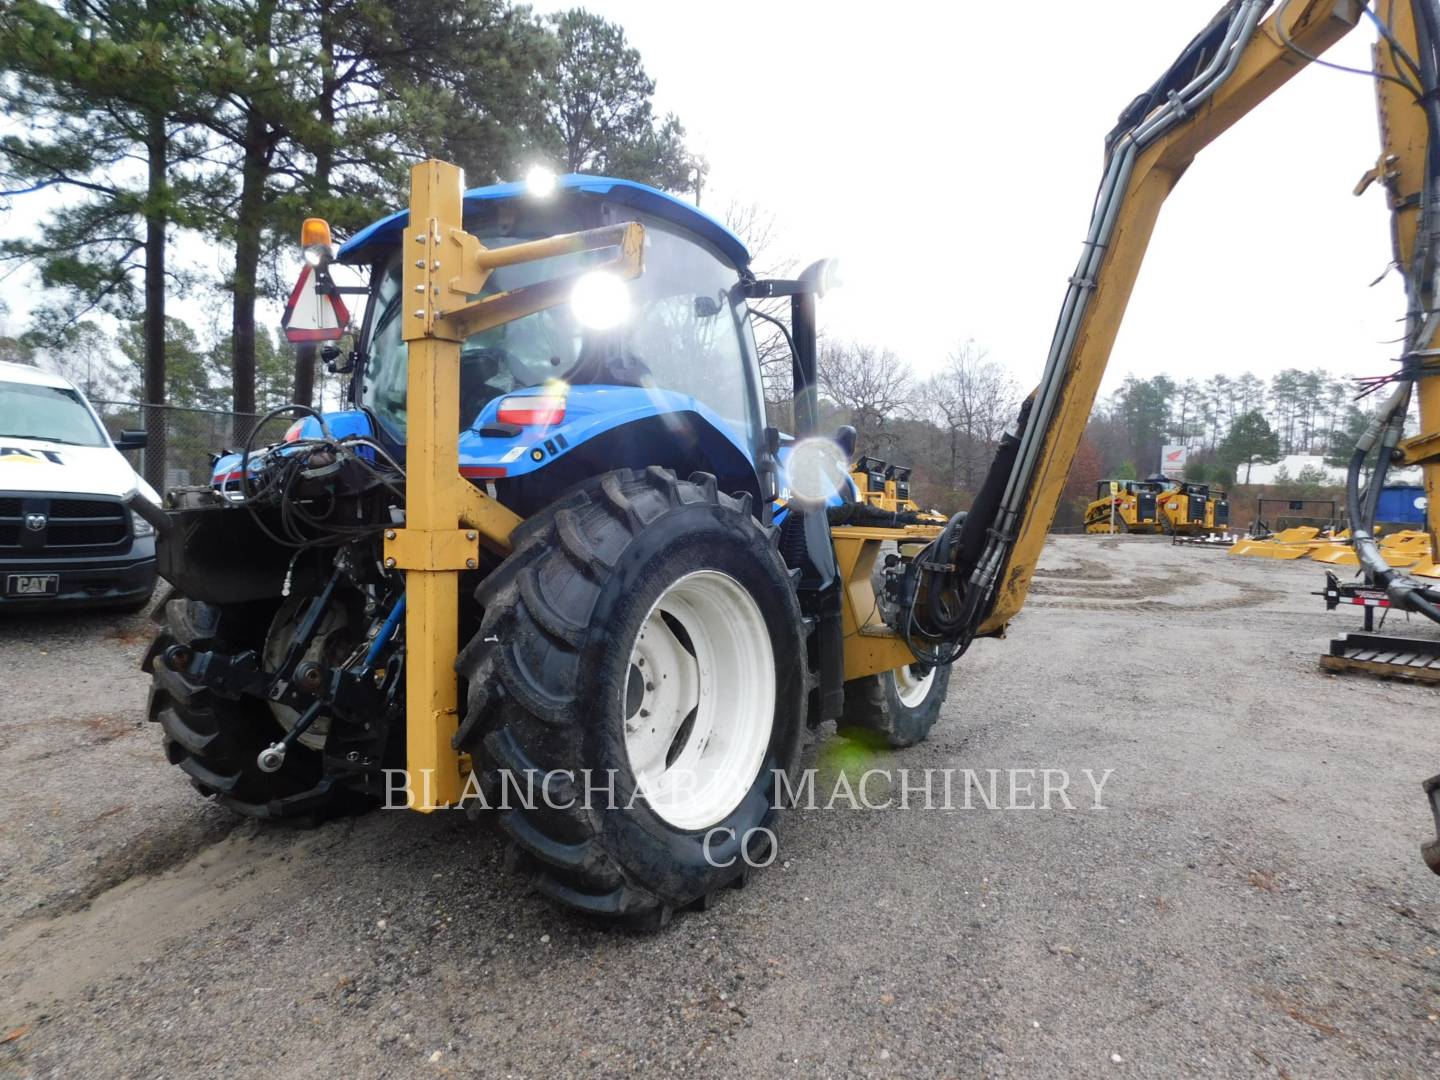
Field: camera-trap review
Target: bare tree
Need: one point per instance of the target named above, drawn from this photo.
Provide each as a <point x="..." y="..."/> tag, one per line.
<point x="971" y="399"/>
<point x="869" y="383"/>
<point x="758" y="228"/>
<point x="87" y="356"/>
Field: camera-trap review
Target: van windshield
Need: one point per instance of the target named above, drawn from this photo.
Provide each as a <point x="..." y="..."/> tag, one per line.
<point x="52" y="413"/>
<point x="688" y="331"/>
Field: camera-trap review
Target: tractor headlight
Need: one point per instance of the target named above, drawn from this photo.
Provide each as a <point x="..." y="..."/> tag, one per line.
<point x="600" y="300"/>
<point x="540" y="182"/>
<point x="139" y="527"/>
<point x="817" y="470"/>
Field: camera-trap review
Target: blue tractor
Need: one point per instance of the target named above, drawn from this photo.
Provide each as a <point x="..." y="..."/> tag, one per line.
<point x="651" y="640"/>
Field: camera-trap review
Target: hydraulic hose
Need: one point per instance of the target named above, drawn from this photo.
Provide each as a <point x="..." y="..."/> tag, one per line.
<point x="1124" y="152"/>
<point x="1384" y="432"/>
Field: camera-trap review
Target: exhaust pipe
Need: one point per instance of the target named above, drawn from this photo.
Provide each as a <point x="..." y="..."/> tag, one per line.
<point x="151" y="513"/>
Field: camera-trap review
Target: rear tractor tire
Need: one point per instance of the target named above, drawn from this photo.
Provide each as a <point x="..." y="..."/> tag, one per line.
<point x="641" y="662"/>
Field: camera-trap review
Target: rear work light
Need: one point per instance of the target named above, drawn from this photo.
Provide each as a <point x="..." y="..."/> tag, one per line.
<point x="540" y="410"/>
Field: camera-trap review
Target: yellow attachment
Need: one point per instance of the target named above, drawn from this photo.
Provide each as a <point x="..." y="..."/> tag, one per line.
<point x="1404" y="153"/>
<point x="1265" y="65"/>
<point x="1405" y="538"/>
<point x="458" y="266"/>
<point x="1269" y="549"/>
<point x="438" y="549"/>
<point x="1299" y="534"/>
<point x="1426" y="567"/>
<point x="870" y="646"/>
<point x="314" y="231"/>
<point x="446" y="518"/>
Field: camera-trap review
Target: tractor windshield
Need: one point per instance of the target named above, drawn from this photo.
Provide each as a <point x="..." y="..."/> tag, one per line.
<point x="687" y="331"/>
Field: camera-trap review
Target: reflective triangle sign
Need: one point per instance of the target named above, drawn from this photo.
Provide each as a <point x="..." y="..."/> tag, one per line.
<point x="311" y="315"/>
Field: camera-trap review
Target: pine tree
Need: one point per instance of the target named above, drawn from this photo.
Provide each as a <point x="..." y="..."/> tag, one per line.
<point x="600" y="115"/>
<point x="1251" y="441"/>
<point x="96" y="85"/>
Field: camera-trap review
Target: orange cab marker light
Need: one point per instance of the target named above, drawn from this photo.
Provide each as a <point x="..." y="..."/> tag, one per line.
<point x="314" y="231"/>
<point x="531" y="411"/>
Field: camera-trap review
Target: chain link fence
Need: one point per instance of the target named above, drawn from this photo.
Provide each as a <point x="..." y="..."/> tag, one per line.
<point x="182" y="442"/>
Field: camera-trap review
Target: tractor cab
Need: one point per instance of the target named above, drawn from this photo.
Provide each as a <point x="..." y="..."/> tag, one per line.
<point x="550" y="528"/>
<point x="661" y="369"/>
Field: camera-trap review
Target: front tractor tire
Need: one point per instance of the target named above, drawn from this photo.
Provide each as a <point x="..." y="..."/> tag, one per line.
<point x="900" y="706"/>
<point x="215" y="740"/>
<point x="641" y="663"/>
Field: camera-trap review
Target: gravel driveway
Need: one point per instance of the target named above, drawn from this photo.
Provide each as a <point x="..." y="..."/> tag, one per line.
<point x="1250" y="901"/>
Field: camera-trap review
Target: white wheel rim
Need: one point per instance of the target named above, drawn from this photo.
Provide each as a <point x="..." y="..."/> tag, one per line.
<point x="698" y="719"/>
<point x="911" y="687"/>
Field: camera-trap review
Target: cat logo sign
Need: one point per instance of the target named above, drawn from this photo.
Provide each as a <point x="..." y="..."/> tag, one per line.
<point x="315" y="311"/>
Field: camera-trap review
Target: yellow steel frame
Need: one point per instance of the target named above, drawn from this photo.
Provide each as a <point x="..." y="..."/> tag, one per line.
<point x="447" y="518"/>
<point x="1266" y="64"/>
<point x="870" y="646"/>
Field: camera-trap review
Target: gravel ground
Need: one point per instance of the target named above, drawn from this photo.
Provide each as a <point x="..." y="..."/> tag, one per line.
<point x="1250" y="901"/>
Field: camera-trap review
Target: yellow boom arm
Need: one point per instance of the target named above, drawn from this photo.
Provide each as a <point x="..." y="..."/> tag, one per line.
<point x="1239" y="62"/>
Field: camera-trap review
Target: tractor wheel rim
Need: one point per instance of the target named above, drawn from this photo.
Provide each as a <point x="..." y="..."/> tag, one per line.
<point x="913" y="686"/>
<point x="699" y="700"/>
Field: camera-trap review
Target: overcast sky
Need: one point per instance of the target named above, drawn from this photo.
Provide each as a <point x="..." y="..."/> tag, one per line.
<point x="949" y="155"/>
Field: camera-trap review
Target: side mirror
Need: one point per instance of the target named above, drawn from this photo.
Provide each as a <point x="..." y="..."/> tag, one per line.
<point x="845" y="439"/>
<point x="132" y="440"/>
<point x="822" y="276"/>
<point x="330" y="353"/>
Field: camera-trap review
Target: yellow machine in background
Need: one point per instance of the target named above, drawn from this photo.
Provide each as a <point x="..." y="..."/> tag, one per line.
<point x="1157" y="505"/>
<point x="1217" y="512"/>
<point x="880" y="484"/>
<point x="1124" y="506"/>
<point x="1188" y="509"/>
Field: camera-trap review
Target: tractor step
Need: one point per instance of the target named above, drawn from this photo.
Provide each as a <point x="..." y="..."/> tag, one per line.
<point x="1385" y="655"/>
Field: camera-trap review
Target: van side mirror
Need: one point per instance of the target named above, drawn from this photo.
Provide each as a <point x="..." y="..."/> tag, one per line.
<point x="132" y="440"/>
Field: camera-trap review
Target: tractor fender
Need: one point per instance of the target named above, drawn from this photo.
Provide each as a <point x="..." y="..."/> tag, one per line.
<point x="684" y="442"/>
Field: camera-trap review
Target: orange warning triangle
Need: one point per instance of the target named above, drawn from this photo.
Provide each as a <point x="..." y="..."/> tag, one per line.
<point x="311" y="315"/>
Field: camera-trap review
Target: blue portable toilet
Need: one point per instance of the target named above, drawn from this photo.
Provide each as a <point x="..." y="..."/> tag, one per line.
<point x="1401" y="504"/>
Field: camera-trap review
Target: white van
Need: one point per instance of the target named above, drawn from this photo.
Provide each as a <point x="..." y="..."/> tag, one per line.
<point x="66" y="534"/>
